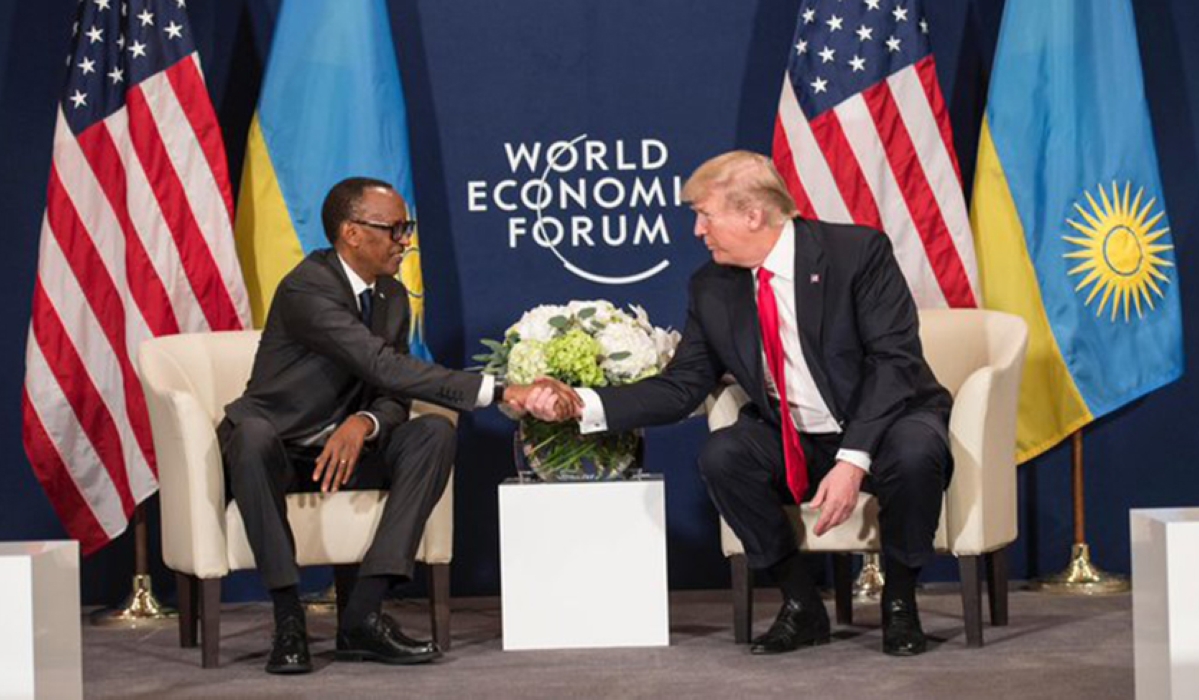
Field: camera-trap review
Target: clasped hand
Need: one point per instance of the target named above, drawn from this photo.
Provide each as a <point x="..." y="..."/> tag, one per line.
<point x="545" y="399"/>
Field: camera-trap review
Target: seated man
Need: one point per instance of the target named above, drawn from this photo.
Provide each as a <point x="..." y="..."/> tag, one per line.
<point x="818" y="326"/>
<point x="327" y="405"/>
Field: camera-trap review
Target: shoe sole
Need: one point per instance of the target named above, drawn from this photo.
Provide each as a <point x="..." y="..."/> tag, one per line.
<point x="289" y="670"/>
<point x="821" y="641"/>
<point x="905" y="652"/>
<point x="351" y="655"/>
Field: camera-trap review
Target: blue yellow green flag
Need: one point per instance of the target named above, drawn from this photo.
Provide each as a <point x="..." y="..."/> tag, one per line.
<point x="1069" y="220"/>
<point x="332" y="106"/>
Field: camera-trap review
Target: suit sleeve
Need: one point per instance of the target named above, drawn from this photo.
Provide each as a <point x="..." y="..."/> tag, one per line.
<point x="326" y="326"/>
<point x="888" y="326"/>
<point x="675" y="393"/>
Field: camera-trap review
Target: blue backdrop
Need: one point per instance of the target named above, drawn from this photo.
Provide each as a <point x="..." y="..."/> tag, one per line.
<point x="643" y="92"/>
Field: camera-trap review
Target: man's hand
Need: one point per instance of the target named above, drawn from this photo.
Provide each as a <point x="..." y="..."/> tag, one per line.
<point x="337" y="461"/>
<point x="837" y="496"/>
<point x="546" y="399"/>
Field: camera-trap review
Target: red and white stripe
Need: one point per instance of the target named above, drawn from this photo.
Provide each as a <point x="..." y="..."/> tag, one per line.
<point x="884" y="158"/>
<point x="137" y="242"/>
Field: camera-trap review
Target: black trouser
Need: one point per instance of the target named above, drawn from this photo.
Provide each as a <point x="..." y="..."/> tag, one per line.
<point x="744" y="470"/>
<point x="412" y="463"/>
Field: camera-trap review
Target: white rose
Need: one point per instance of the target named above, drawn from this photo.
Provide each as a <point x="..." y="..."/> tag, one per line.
<point x="665" y="342"/>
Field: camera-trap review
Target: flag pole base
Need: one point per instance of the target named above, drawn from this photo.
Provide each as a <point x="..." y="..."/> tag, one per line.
<point x="141" y="608"/>
<point x="323" y="602"/>
<point x="1081" y="577"/>
<point x="870" y="581"/>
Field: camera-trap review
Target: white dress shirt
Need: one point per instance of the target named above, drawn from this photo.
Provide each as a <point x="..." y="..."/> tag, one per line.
<point x="808" y="409"/>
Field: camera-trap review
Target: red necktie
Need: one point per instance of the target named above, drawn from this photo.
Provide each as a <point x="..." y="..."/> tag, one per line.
<point x="793" y="457"/>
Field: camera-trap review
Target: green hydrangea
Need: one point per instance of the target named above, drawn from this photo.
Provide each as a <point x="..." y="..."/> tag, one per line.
<point x="574" y="357"/>
<point x="527" y="361"/>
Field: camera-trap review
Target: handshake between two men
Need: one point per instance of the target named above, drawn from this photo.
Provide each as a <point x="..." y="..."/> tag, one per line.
<point x="545" y="399"/>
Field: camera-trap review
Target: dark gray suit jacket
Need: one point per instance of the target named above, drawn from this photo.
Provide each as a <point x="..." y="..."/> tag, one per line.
<point x="318" y="363"/>
<point x="858" y="328"/>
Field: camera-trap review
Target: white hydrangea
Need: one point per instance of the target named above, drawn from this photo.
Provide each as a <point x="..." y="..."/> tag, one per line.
<point x="526" y="362"/>
<point x="605" y="313"/>
<point x="535" y="323"/>
<point x="627" y="338"/>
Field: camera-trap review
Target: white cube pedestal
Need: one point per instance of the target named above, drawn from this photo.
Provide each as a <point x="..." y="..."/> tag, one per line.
<point x="584" y="564"/>
<point x="40" y="636"/>
<point x="1165" y="607"/>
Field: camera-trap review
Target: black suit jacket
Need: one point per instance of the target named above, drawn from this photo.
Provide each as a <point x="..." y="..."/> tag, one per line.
<point x="858" y="328"/>
<point x="317" y="362"/>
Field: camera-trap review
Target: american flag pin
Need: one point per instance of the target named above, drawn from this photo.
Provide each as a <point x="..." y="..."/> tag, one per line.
<point x="814" y="279"/>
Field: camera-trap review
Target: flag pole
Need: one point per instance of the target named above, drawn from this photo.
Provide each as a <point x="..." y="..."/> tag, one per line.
<point x="141" y="607"/>
<point x="1080" y="576"/>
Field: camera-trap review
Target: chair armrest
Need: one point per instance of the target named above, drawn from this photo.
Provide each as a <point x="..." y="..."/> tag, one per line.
<point x="191" y="484"/>
<point x="724" y="405"/>
<point x="981" y="509"/>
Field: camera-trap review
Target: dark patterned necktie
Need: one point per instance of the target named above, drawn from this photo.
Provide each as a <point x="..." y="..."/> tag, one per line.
<point x="366" y="304"/>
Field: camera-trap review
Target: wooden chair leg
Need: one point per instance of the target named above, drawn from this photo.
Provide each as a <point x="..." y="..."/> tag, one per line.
<point x="439" y="603"/>
<point x="970" y="567"/>
<point x="997" y="588"/>
<point x="210" y="622"/>
<point x="344" y="577"/>
<point x="843" y="587"/>
<point x="185" y="589"/>
<point x="743" y="599"/>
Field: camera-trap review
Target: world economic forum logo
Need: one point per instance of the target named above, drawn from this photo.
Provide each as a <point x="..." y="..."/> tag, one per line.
<point x="596" y="205"/>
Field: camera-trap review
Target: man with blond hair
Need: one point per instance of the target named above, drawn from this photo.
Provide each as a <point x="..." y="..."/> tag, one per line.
<point x="817" y="324"/>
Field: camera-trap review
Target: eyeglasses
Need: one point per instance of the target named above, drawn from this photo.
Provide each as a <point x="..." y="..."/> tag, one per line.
<point x="398" y="231"/>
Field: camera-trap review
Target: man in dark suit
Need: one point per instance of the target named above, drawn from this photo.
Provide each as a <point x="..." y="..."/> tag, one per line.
<point x="327" y="406"/>
<point x="817" y="324"/>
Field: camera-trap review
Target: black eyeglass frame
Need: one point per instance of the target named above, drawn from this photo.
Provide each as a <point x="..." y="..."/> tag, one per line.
<point x="398" y="231"/>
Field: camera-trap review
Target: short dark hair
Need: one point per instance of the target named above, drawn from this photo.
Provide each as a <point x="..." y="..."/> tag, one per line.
<point x="341" y="204"/>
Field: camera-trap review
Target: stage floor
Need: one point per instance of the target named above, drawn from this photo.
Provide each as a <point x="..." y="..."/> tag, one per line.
<point x="1055" y="647"/>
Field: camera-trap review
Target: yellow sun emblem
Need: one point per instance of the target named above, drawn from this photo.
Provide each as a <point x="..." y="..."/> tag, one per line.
<point x="1119" y="251"/>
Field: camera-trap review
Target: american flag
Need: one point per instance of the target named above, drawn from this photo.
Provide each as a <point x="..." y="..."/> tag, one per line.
<point x="136" y="242"/>
<point x="863" y="136"/>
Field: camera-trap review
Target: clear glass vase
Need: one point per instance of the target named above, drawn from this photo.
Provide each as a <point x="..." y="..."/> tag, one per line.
<point x="558" y="452"/>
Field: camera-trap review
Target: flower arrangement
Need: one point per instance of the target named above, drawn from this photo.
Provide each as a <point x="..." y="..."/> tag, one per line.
<point x="584" y="344"/>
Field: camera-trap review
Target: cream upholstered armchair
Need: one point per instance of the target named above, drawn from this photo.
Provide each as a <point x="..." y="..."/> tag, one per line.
<point x="978" y="356"/>
<point x="188" y="380"/>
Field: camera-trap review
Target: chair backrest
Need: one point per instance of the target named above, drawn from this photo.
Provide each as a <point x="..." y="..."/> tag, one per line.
<point x="213" y="367"/>
<point x="959" y="341"/>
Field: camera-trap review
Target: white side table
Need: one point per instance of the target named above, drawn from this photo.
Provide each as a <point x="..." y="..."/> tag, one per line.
<point x="584" y="564"/>
<point x="1165" y="607"/>
<point x="40" y="636"/>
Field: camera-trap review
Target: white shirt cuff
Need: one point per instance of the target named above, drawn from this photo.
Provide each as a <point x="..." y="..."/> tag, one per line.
<point x="486" y="391"/>
<point x="858" y="458"/>
<point x="374" y="433"/>
<point x="593" y="419"/>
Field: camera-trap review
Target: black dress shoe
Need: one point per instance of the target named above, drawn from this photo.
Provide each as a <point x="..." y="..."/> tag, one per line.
<point x="374" y="641"/>
<point x="799" y="624"/>
<point x="393" y="628"/>
<point x="902" y="633"/>
<point x="289" y="649"/>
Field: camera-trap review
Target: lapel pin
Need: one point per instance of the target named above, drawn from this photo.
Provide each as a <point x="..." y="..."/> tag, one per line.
<point x="814" y="279"/>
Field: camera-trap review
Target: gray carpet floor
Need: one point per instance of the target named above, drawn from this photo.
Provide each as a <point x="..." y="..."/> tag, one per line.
<point x="1055" y="647"/>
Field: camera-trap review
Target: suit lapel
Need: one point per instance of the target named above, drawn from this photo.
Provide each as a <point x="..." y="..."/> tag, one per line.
<point x="811" y="279"/>
<point x="746" y="335"/>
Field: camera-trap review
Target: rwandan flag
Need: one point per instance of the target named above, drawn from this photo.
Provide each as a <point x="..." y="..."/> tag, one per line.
<point x="331" y="107"/>
<point x="1069" y="220"/>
